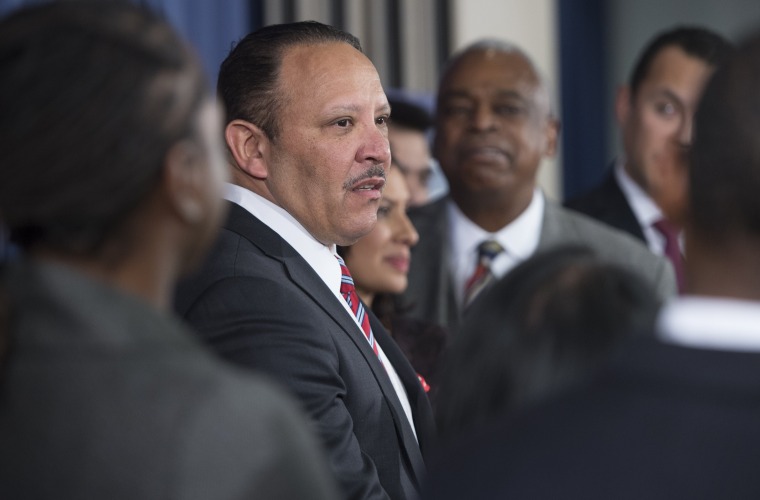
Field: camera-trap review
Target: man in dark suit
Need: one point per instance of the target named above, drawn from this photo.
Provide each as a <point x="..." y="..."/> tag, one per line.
<point x="493" y="128"/>
<point x="308" y="144"/>
<point x="645" y="192"/>
<point x="675" y="415"/>
<point x="103" y="393"/>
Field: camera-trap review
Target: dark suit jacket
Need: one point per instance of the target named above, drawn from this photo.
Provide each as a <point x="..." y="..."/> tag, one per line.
<point x="661" y="422"/>
<point x="431" y="293"/>
<point x="104" y="397"/>
<point x="260" y="304"/>
<point x="608" y="204"/>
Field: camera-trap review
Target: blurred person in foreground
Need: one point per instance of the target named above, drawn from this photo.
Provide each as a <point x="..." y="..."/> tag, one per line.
<point x="673" y="415"/>
<point x="379" y="263"/>
<point x="111" y="170"/>
<point x="307" y="137"/>
<point x="645" y="194"/>
<point x="544" y="328"/>
<point x="493" y="127"/>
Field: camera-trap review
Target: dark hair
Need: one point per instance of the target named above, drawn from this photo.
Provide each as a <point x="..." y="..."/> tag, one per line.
<point x="422" y="342"/>
<point x="92" y="91"/>
<point x="409" y="115"/>
<point x="93" y="94"/>
<point x="724" y="170"/>
<point x="545" y="326"/>
<point x="248" y="77"/>
<point x="696" y="41"/>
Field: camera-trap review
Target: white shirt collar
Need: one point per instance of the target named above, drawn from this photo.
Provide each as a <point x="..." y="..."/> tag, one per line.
<point x="519" y="239"/>
<point x="320" y="257"/>
<point x="711" y="323"/>
<point x="644" y="208"/>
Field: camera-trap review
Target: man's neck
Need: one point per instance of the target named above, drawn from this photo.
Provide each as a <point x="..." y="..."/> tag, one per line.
<point x="495" y="213"/>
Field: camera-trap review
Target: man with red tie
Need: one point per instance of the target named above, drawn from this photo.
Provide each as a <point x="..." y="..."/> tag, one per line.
<point x="645" y="193"/>
<point x="307" y="137"/>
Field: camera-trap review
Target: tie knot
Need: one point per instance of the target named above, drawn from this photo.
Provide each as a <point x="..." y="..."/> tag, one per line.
<point x="488" y="250"/>
<point x="666" y="228"/>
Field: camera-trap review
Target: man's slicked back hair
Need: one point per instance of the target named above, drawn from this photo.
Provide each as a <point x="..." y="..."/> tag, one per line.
<point x="248" y="77"/>
<point x="93" y="95"/>
<point x="696" y="41"/>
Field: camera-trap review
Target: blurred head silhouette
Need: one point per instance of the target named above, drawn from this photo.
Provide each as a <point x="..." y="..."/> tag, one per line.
<point x="111" y="159"/>
<point x="542" y="328"/>
<point x="111" y="145"/>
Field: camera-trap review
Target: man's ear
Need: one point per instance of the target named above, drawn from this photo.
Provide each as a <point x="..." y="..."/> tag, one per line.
<point x="553" y="127"/>
<point x="184" y="180"/>
<point x="622" y="105"/>
<point x="247" y="144"/>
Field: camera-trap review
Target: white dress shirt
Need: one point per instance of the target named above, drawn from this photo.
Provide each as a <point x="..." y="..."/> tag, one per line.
<point x="519" y="239"/>
<point x="320" y="257"/>
<point x="644" y="208"/>
<point x="711" y="323"/>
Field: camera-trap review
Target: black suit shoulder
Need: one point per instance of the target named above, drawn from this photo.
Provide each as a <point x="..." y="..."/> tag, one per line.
<point x="607" y="203"/>
<point x="258" y="303"/>
<point x="660" y="422"/>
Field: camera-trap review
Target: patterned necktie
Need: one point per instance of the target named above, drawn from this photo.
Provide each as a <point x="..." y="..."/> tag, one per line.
<point x="487" y="252"/>
<point x="348" y="290"/>
<point x="672" y="249"/>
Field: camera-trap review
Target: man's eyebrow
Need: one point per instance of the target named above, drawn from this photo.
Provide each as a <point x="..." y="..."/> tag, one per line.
<point x="674" y="96"/>
<point x="342" y="108"/>
<point x="666" y="92"/>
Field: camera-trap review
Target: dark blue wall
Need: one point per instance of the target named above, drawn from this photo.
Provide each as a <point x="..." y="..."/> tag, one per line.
<point x="583" y="93"/>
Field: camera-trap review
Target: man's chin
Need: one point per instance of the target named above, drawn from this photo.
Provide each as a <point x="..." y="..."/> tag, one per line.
<point x="351" y="235"/>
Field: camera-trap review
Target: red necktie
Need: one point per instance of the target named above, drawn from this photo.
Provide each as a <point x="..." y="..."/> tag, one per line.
<point x="672" y="249"/>
<point x="348" y="290"/>
<point x="487" y="252"/>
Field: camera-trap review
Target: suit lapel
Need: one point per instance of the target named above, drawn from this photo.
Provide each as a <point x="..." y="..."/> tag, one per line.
<point x="305" y="278"/>
<point x="418" y="401"/>
<point x="430" y="269"/>
<point x="618" y="211"/>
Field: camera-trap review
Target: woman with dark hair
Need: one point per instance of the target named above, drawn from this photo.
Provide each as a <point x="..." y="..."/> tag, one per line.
<point x="379" y="263"/>
<point x="111" y="170"/>
<point x="541" y="329"/>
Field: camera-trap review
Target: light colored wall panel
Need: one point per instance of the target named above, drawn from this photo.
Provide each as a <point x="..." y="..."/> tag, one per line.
<point x="418" y="45"/>
<point x="313" y="10"/>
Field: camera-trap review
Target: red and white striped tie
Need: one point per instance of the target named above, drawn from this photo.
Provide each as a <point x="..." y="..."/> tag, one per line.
<point x="348" y="290"/>
<point x="487" y="252"/>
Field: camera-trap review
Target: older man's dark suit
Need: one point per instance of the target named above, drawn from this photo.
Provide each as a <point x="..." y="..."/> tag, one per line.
<point x="260" y="304"/>
<point x="608" y="204"/>
<point x="431" y="293"/>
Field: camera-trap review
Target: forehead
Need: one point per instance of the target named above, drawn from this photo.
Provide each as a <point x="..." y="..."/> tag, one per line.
<point x="324" y="72"/>
<point x="672" y="67"/>
<point x="490" y="72"/>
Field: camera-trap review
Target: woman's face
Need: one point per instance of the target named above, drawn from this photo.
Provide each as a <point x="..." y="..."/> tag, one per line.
<point x="379" y="262"/>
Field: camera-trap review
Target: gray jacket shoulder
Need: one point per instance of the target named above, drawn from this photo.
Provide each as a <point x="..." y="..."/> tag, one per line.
<point x="563" y="226"/>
